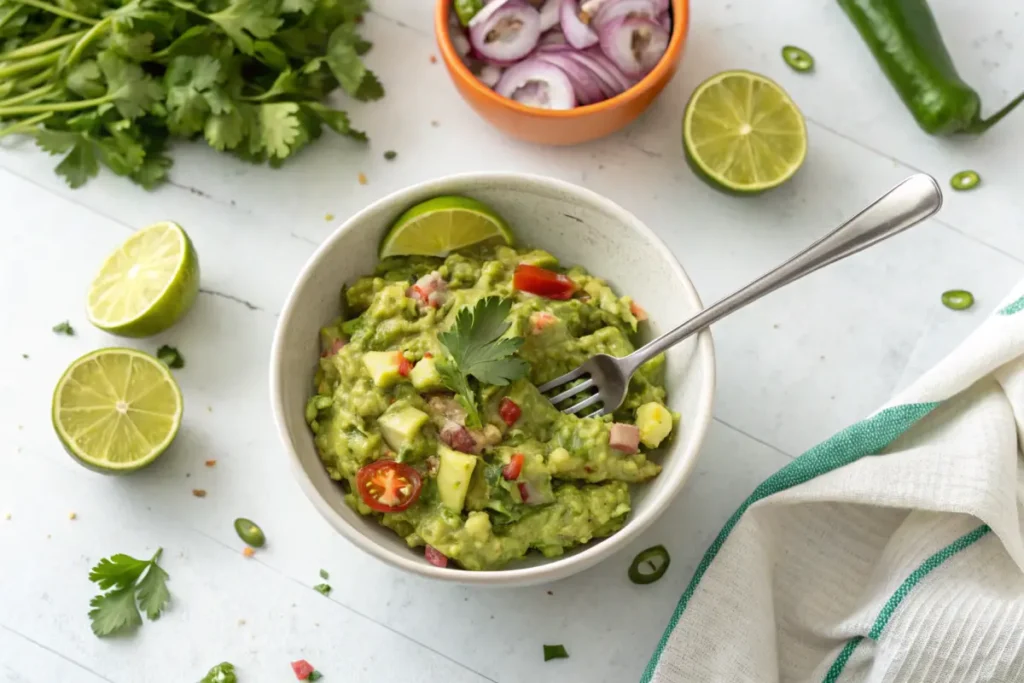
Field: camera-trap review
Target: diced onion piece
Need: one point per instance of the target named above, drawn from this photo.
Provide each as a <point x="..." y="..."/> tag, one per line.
<point x="549" y="15"/>
<point x="621" y="9"/>
<point x="489" y="74"/>
<point x="576" y="31"/>
<point x="461" y="44"/>
<point x="635" y="45"/>
<point x="553" y="37"/>
<point x="508" y="31"/>
<point x="537" y="84"/>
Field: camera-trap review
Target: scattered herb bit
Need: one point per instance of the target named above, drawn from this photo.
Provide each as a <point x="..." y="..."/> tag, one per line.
<point x="7" y="516"/>
<point x="199" y="493"/>
<point x="171" y="357"/>
<point x="324" y="575"/>
<point x="222" y="673"/>
<point x="63" y="328"/>
<point x="303" y="669"/>
<point x="477" y="352"/>
<point x="248" y="552"/>
<point x="957" y="299"/>
<point x="362" y="178"/>
<point x="550" y="593"/>
<point x="797" y="58"/>
<point x="965" y="180"/>
<point x="329" y="217"/>
<point x="314" y="675"/>
<point x="390" y="155"/>
<point x="113" y="82"/>
<point x="73" y="516"/>
<point x="25" y="356"/>
<point x="322" y="589"/>
<point x="656" y="558"/>
<point x="250" y="532"/>
<point x="555" y="652"/>
<point x="210" y="463"/>
<point x="128" y="580"/>
<point x="467" y="9"/>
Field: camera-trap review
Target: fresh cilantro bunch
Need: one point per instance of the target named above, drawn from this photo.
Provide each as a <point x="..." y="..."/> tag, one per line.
<point x="111" y="82"/>
<point x="479" y="354"/>
<point x="126" y="581"/>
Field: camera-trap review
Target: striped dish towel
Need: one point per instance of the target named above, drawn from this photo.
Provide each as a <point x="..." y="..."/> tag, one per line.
<point x="893" y="552"/>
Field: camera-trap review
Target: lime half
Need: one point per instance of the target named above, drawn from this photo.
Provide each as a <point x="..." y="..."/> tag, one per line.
<point x="147" y="285"/>
<point x="116" y="410"/>
<point x="439" y="226"/>
<point x="742" y="133"/>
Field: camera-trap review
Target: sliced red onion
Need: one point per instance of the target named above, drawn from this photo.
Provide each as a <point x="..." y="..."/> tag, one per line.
<point x="624" y="81"/>
<point x="537" y="84"/>
<point x="618" y="9"/>
<point x="666" y="21"/>
<point x="592" y="7"/>
<point x="585" y="83"/>
<point x="461" y="44"/>
<point x="613" y="79"/>
<point x="576" y="31"/>
<point x="549" y="14"/>
<point x="635" y="45"/>
<point x="489" y="75"/>
<point x="553" y="37"/>
<point x="662" y="5"/>
<point x="509" y="30"/>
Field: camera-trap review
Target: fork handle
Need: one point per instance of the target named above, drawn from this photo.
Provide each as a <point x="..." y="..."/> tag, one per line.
<point x="907" y="204"/>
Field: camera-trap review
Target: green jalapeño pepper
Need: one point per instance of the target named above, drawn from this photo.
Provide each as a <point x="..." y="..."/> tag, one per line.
<point x="905" y="40"/>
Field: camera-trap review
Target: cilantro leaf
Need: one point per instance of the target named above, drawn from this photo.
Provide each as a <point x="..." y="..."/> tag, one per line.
<point x="81" y="164"/>
<point x="322" y="589"/>
<point x="324" y="575"/>
<point x="118" y="571"/>
<point x="243" y="20"/>
<point x="64" y="328"/>
<point x="278" y="128"/>
<point x="114" y="611"/>
<point x="86" y="80"/>
<point x="130" y="89"/>
<point x="226" y="131"/>
<point x="222" y="673"/>
<point x="193" y="93"/>
<point x="152" y="592"/>
<point x="343" y="50"/>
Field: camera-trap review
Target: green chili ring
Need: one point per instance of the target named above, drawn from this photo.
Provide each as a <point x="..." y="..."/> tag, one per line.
<point x="957" y="299"/>
<point x="965" y="180"/>
<point x="656" y="557"/>
<point x="249" y="532"/>
<point x="797" y="58"/>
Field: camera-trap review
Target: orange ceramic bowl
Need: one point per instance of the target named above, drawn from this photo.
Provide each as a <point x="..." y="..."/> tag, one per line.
<point x="570" y="127"/>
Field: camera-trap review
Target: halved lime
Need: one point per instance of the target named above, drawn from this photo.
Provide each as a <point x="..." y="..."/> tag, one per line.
<point x="439" y="226"/>
<point x="147" y="285"/>
<point x="116" y="410"/>
<point x="742" y="133"/>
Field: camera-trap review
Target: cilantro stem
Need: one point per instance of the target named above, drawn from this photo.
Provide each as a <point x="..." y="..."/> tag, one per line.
<point x="84" y="42"/>
<point x="59" y="11"/>
<point x="29" y="64"/>
<point x="55" y="106"/>
<point x="41" y="77"/>
<point x="27" y="96"/>
<point x="36" y="49"/>
<point x="24" y="125"/>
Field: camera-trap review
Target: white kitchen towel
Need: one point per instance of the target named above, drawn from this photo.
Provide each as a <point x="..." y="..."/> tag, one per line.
<point x="893" y="552"/>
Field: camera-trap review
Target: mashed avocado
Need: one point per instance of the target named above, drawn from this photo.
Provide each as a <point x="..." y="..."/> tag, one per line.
<point x="528" y="477"/>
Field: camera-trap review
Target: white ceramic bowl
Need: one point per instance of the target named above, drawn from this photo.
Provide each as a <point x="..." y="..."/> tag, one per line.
<point x="579" y="227"/>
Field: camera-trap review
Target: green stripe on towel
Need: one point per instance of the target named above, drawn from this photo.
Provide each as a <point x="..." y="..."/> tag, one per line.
<point x="867" y="437"/>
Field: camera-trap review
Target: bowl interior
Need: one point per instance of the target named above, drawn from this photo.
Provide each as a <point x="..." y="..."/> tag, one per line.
<point x="577" y="226"/>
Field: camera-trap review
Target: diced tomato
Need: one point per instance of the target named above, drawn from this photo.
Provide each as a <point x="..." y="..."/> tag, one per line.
<point x="302" y="669"/>
<point x="404" y="365"/>
<point x="637" y="310"/>
<point x="509" y="411"/>
<point x="524" y="492"/>
<point x="388" y="486"/>
<point x="458" y="437"/>
<point x="428" y="354"/>
<point x="335" y="346"/>
<point x="542" y="282"/>
<point x="429" y="290"/>
<point x="512" y="470"/>
<point x="435" y="556"/>
<point x="540" y="320"/>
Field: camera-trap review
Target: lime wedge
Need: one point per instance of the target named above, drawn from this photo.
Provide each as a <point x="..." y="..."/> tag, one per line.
<point x="742" y="133"/>
<point x="116" y="410"/>
<point x="147" y="285"/>
<point x="439" y="226"/>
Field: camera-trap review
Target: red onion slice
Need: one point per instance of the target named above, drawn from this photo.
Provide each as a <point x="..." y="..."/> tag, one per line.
<point x="537" y="84"/>
<point x="489" y="75"/>
<point x="585" y="83"/>
<point x="634" y="45"/>
<point x="618" y="9"/>
<point x="508" y="31"/>
<point x="592" y="7"/>
<point x="662" y="5"/>
<point x="553" y="37"/>
<point x="549" y="15"/>
<point x="579" y="35"/>
<point x="614" y="80"/>
<point x="666" y="21"/>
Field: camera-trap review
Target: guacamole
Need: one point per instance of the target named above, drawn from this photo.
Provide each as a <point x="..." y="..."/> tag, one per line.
<point x="526" y="477"/>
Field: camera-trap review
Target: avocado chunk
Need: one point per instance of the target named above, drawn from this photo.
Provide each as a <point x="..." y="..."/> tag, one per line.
<point x="399" y="427"/>
<point x="453" y="475"/>
<point x="539" y="258"/>
<point x="383" y="367"/>
<point x="425" y="376"/>
<point x="655" y="423"/>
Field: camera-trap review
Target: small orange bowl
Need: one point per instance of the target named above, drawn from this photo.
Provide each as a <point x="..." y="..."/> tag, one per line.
<point x="561" y="127"/>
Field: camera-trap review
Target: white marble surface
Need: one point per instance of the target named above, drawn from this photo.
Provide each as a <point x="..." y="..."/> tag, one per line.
<point x="792" y="369"/>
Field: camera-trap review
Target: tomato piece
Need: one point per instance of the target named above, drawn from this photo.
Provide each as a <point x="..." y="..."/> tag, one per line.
<point x="509" y="411"/>
<point x="388" y="486"/>
<point x="404" y="365"/>
<point x="302" y="669"/>
<point x="336" y="346"/>
<point x="524" y="492"/>
<point x="435" y="556"/>
<point x="514" y="467"/>
<point x="542" y="282"/>
<point x="638" y="311"/>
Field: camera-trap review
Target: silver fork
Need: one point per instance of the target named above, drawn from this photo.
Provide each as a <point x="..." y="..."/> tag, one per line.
<point x="907" y="204"/>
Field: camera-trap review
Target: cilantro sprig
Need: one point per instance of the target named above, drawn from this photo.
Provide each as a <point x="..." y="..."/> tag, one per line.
<point x="479" y="353"/>
<point x="111" y="82"/>
<point x="127" y="581"/>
